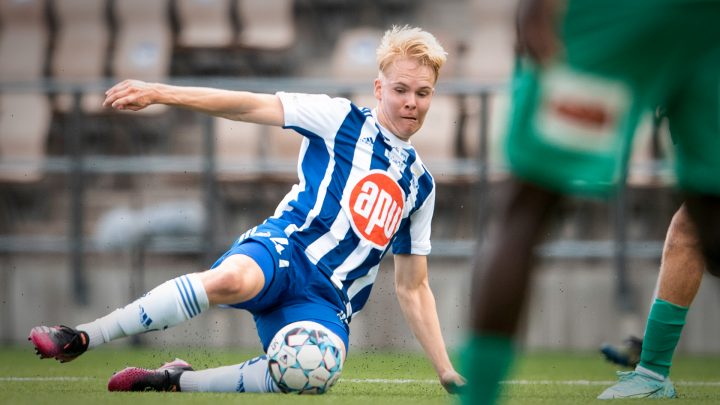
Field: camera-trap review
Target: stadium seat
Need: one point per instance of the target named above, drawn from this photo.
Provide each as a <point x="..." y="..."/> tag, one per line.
<point x="24" y="125"/>
<point x="237" y="147"/>
<point x="282" y="149"/>
<point x="268" y="25"/>
<point x="489" y="54"/>
<point x="204" y="23"/>
<point x="354" y="54"/>
<point x="23" y="40"/>
<point x="24" y="115"/>
<point x="143" y="44"/>
<point x="80" y="22"/>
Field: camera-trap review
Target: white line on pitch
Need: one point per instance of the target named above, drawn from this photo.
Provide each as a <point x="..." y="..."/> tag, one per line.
<point x="518" y="382"/>
<point x="401" y="381"/>
<point x="32" y="379"/>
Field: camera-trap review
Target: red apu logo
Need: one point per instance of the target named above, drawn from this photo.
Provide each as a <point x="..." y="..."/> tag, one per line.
<point x="376" y="207"/>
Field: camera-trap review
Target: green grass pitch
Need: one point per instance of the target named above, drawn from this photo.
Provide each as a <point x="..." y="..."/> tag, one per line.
<point x="368" y="378"/>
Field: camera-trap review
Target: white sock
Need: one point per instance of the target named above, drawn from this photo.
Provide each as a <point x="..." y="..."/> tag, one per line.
<point x="168" y="304"/>
<point x="649" y="373"/>
<point x="250" y="376"/>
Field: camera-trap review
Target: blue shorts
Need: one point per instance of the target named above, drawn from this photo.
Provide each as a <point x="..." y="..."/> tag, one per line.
<point x="294" y="290"/>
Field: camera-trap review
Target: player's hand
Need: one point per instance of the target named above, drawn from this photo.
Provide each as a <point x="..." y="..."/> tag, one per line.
<point x="452" y="381"/>
<point x="536" y="29"/>
<point x="131" y="95"/>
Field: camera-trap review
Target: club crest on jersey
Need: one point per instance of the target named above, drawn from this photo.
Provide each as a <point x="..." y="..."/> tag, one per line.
<point x="375" y="207"/>
<point x="398" y="157"/>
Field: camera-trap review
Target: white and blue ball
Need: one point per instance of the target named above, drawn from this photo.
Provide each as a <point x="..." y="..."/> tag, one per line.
<point x="304" y="358"/>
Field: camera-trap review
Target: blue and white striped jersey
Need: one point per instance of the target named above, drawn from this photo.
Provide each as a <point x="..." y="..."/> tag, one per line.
<point x="361" y="190"/>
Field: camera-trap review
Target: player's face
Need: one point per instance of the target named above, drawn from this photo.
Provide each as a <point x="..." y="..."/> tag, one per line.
<point x="404" y="92"/>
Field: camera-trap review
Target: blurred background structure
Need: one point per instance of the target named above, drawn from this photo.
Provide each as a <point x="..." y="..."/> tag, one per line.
<point x="98" y="206"/>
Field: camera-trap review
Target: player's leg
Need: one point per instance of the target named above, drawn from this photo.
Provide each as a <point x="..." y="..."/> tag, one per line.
<point x="253" y="375"/>
<point x="178" y="375"/>
<point x="250" y="376"/>
<point x="693" y="112"/>
<point x="499" y="288"/>
<point x="696" y="120"/>
<point x="680" y="276"/>
<point x="235" y="278"/>
<point x="276" y="308"/>
<point x="681" y="273"/>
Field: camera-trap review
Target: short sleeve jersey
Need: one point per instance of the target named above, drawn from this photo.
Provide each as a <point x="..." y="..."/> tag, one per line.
<point x="361" y="190"/>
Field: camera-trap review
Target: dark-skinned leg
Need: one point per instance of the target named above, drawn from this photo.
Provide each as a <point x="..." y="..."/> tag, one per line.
<point x="499" y="287"/>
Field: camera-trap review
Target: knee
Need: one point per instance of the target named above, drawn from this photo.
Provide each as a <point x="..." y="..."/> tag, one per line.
<point x="236" y="280"/>
<point x="683" y="236"/>
<point x="682" y="228"/>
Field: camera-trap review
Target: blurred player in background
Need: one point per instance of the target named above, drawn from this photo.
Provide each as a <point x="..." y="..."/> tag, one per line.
<point x="589" y="70"/>
<point x="681" y="272"/>
<point x="363" y="189"/>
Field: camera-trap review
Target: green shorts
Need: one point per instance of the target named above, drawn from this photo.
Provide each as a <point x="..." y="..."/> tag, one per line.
<point x="572" y="122"/>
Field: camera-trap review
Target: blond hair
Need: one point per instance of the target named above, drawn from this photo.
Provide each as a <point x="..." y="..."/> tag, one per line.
<point x="413" y="43"/>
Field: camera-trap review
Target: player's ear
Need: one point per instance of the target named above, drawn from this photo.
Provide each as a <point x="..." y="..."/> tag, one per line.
<point x="378" y="88"/>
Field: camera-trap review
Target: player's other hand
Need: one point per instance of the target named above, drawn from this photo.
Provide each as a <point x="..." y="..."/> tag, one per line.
<point x="452" y="381"/>
<point x="131" y="95"/>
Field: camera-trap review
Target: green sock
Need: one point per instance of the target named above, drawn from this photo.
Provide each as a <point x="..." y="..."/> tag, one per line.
<point x="485" y="361"/>
<point x="662" y="334"/>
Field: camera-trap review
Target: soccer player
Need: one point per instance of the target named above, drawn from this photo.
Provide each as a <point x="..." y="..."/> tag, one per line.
<point x="362" y="190"/>
<point x="681" y="272"/>
<point x="591" y="68"/>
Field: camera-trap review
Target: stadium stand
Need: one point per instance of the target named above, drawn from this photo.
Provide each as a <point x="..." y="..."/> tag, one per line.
<point x="81" y="49"/>
<point x="24" y="115"/>
<point x="324" y="33"/>
<point x="266" y="25"/>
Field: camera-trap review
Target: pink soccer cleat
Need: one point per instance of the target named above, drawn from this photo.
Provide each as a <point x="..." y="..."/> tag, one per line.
<point x="60" y="342"/>
<point x="165" y="378"/>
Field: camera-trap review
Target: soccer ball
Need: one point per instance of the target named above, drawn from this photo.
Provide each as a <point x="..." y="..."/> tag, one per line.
<point x="303" y="358"/>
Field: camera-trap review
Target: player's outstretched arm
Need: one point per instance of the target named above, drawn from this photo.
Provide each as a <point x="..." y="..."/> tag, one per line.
<point x="258" y="108"/>
<point x="418" y="306"/>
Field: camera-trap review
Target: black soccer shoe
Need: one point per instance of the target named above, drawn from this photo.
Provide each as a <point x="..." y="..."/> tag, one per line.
<point x="60" y="342"/>
<point x="627" y="355"/>
<point x="165" y="378"/>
